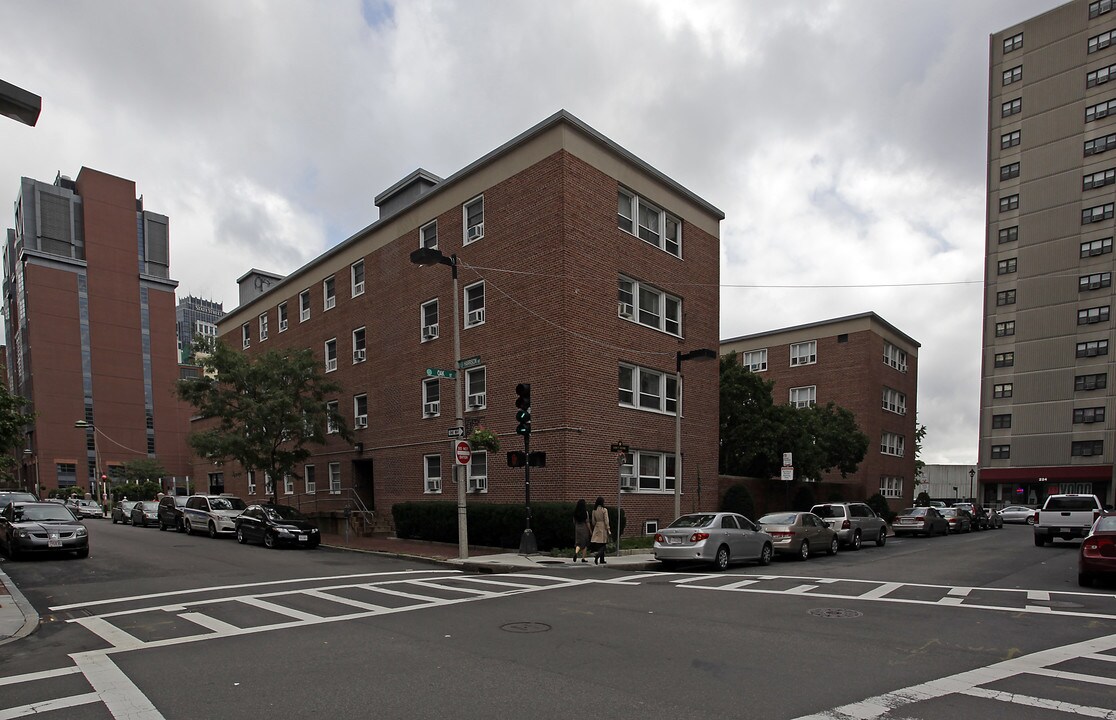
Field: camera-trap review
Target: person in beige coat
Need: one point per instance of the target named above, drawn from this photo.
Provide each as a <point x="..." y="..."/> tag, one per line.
<point x="601" y="531"/>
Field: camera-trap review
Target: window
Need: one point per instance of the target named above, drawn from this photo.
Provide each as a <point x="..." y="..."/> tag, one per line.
<point x="655" y="471"/>
<point x="1092" y="348"/>
<point x="648" y="389"/>
<point x="1006" y="267"/>
<point x="1099" y="179"/>
<point x="1010" y="234"/>
<point x="1011" y="139"/>
<point x="474" y="304"/>
<point x="304" y="306"/>
<point x="1005" y="359"/>
<point x="804" y="353"/>
<point x="1005" y="297"/>
<point x="428" y="235"/>
<point x="1099" y="8"/>
<point x="1013" y="43"/>
<point x="1001" y="452"/>
<point x="335" y="478"/>
<point x="802" y="397"/>
<point x="1013" y="75"/>
<point x="1096" y="381"/>
<point x="431" y="398"/>
<point x="310" y="479"/>
<point x="1099" y="213"/>
<point x="1096" y="247"/>
<point x="1090" y="316"/>
<point x="331" y="355"/>
<point x="329" y="293"/>
<point x="653" y="225"/>
<point x="288" y="485"/>
<point x="755" y="360"/>
<point x="1100" y="76"/>
<point x="1100" y="145"/>
<point x="1003" y="329"/>
<point x="891" y="487"/>
<point x="478" y="472"/>
<point x="263" y="327"/>
<point x="891" y="444"/>
<point x="894" y="401"/>
<point x="475" y="382"/>
<point x="282" y="310"/>
<point x="1011" y="107"/>
<point x="428" y="321"/>
<point x="245" y="335"/>
<point x="356" y="275"/>
<point x="1011" y="202"/>
<point x="1100" y="42"/>
<point x="1002" y="390"/>
<point x="1088" y="415"/>
<point x="331" y="417"/>
<point x="251" y="475"/>
<point x="66" y="474"/>
<point x="1007" y="172"/>
<point x="473" y="214"/>
<point x="1087" y="448"/>
<point x="1095" y="281"/>
<point x="1001" y="422"/>
<point x="895" y="357"/>
<point x="269" y="486"/>
<point x="432" y="473"/>
<point x="360" y="350"/>
<point x="216" y="485"/>
<point x="360" y="411"/>
<point x="656" y="309"/>
<point x="1100" y="110"/>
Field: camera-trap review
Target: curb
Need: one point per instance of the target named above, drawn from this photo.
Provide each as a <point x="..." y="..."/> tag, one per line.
<point x="30" y="617"/>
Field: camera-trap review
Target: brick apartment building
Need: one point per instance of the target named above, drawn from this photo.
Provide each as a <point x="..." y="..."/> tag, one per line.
<point x="89" y="320"/>
<point x="863" y="364"/>
<point x="583" y="271"/>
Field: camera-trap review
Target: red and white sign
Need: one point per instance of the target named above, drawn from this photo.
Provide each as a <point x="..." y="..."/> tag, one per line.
<point x="462" y="453"/>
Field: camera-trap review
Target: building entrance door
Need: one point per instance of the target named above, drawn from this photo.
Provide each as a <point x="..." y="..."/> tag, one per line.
<point x="363" y="482"/>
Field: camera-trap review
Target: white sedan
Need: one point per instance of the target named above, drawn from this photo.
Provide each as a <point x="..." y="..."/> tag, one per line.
<point x="1018" y="514"/>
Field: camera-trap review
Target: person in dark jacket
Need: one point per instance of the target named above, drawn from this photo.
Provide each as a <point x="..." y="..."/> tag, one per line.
<point x="582" y="531"/>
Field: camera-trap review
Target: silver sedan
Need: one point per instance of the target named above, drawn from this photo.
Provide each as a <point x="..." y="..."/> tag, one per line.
<point x="799" y="533"/>
<point x="1018" y="514"/>
<point x="717" y="537"/>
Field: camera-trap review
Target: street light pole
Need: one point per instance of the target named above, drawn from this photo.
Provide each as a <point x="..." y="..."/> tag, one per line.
<point x="96" y="460"/>
<point x="679" y="356"/>
<point x="972" y="474"/>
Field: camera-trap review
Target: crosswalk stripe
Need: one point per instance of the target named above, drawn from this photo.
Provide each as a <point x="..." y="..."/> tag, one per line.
<point x="108" y="632"/>
<point x="279" y="609"/>
<point x="41" y="675"/>
<point x="1078" y="677"/>
<point x="345" y="600"/>
<point x="880" y="591"/>
<point x="48" y="706"/>
<point x="209" y="623"/>
<point x="1037" y="702"/>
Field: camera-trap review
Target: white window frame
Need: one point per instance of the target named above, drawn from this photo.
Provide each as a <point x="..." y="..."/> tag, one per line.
<point x="425" y="233"/>
<point x="360" y="345"/>
<point x="356" y="269"/>
<point x="288" y="484"/>
<point x="269" y="486"/>
<point x="474" y="315"/>
<point x="892" y="444"/>
<point x="335" y="478"/>
<point x="304" y="305"/>
<point x="471" y="389"/>
<point x="467" y="236"/>
<point x="333" y="407"/>
<point x="891" y="487"/>
<point x="360" y="420"/>
<point x="804" y="396"/>
<point x="263" y="326"/>
<point x="329" y="293"/>
<point x="665" y="382"/>
<point x="429" y="330"/>
<point x="251" y="478"/>
<point x="281" y="313"/>
<point x="432" y="483"/>
<point x="479" y="461"/>
<point x="893" y="401"/>
<point x="754" y="360"/>
<point x="895" y="357"/>
<point x="657" y="482"/>
<point x="245" y="336"/>
<point x="630" y="295"/>
<point x="652" y="233"/>
<point x="310" y="479"/>
<point x="330" y="355"/>
<point x="427" y="402"/>
<point x="804" y="353"/>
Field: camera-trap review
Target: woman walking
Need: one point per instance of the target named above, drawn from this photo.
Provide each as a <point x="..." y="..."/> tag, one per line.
<point x="601" y="531"/>
<point x="581" y="531"/>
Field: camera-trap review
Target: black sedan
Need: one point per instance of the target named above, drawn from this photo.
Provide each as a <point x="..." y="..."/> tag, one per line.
<point x="276" y="525"/>
<point x="122" y="512"/>
<point x="34" y="527"/>
<point x="144" y="513"/>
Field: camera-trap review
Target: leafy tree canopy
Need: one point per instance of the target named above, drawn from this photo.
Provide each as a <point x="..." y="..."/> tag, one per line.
<point x="14" y="420"/>
<point x="266" y="408"/>
<point x="142" y="469"/>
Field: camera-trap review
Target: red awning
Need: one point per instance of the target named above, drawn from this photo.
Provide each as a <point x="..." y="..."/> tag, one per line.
<point x="1039" y="474"/>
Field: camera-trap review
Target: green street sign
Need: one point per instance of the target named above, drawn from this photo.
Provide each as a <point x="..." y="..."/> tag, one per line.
<point x="465" y="363"/>
<point x="435" y="372"/>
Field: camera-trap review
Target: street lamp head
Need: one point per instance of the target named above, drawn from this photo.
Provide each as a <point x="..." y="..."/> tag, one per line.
<point x="971" y="473"/>
<point x="83" y="424"/>
<point x="430" y="256"/>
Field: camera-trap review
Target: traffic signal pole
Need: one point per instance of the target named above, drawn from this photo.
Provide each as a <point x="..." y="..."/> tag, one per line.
<point x="527" y="544"/>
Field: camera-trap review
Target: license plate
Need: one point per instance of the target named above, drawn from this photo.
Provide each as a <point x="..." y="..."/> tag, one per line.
<point x="53" y="540"/>
<point x="302" y="538"/>
<point x="674" y="541"/>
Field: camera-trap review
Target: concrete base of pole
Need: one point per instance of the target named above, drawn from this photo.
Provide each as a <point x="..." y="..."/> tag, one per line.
<point x="527" y="544"/>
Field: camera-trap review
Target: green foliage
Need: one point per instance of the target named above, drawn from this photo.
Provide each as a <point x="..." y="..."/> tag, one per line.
<point x="737" y="499"/>
<point x="143" y="490"/>
<point x="920" y="435"/>
<point x="879" y="505"/>
<point x="490" y="524"/>
<point x="267" y="408"/>
<point x="923" y="499"/>
<point x="484" y="439"/>
<point x="14" y="419"/>
<point x="142" y="469"/>
<point x="804" y="498"/>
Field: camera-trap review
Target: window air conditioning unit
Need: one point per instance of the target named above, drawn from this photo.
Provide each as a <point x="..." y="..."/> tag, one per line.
<point x="359" y="355"/>
<point x="246" y="343"/>
<point x="626" y="310"/>
<point x="1095" y="251"/>
<point x="478" y="484"/>
<point x="430" y="408"/>
<point x="429" y="332"/>
<point x="475" y="232"/>
<point x="282" y="325"/>
<point x="476" y="317"/>
<point x="627" y="482"/>
<point x="358" y="288"/>
<point x="476" y="400"/>
<point x="331" y="365"/>
<point x="361" y="421"/>
<point x="1093" y="319"/>
<point x="1090" y="352"/>
<point x="1094" y="284"/>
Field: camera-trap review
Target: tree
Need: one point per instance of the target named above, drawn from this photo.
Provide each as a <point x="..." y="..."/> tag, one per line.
<point x="14" y="420"/>
<point x="142" y="469"/>
<point x="920" y="434"/>
<point x="265" y="409"/>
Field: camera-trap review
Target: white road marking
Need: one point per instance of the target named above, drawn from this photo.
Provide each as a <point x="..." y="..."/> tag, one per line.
<point x="879" y="592"/>
<point x="344" y="600"/>
<point x="742" y="583"/>
<point x="49" y="705"/>
<point x="210" y="623"/>
<point x="42" y="675"/>
<point x="438" y="586"/>
<point x="279" y="609"/>
<point x="1044" y="703"/>
<point x="800" y="589"/>
<point x="109" y="633"/>
<point x="1077" y="677"/>
<point x="1038" y="595"/>
<point x="115" y="689"/>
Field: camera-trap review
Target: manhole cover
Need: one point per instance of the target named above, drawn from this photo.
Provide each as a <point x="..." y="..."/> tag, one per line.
<point x="525" y="627"/>
<point x="835" y="613"/>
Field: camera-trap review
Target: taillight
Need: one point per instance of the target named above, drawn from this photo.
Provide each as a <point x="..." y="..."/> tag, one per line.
<point x="1036" y="517"/>
<point x="698" y="537"/>
<point x="659" y="538"/>
<point x="1098" y="547"/>
<point x="846" y="525"/>
<point x="782" y="533"/>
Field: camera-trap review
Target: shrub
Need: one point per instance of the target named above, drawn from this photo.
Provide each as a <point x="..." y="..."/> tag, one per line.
<point x="923" y="499"/>
<point x="738" y="500"/>
<point x="879" y="505"/>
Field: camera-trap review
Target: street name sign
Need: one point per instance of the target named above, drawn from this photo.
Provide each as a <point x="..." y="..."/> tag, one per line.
<point x="465" y="363"/>
<point x="456" y="432"/>
<point x="435" y="372"/>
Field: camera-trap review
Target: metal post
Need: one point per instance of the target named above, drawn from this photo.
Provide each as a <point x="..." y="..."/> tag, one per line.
<point x="527" y="543"/>
<point x="459" y="409"/>
<point x="619" y="492"/>
<point x="677" y="435"/>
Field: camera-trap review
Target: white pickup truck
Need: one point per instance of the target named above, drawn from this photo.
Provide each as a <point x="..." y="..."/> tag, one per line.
<point x="1066" y="517"/>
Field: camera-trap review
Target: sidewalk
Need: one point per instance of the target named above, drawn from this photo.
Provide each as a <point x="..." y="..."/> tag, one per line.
<point x="17" y="617"/>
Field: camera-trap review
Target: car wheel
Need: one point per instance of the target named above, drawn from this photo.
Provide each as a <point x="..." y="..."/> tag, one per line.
<point x="855" y="544"/>
<point x="162" y="525"/>
<point x="804" y="551"/>
<point x="765" y="555"/>
<point x="83" y="553"/>
<point x="240" y="536"/>
<point x="212" y="530"/>
<point x="881" y="537"/>
<point x="834" y="543"/>
<point x="1084" y="579"/>
<point x="187" y="527"/>
<point x="722" y="560"/>
<point x="114" y="520"/>
<point x="181" y="526"/>
<point x="1040" y="541"/>
<point x="1030" y="519"/>
<point x="269" y="541"/>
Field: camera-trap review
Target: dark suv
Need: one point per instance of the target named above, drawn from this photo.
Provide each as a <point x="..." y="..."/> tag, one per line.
<point x="170" y="512"/>
<point x="980" y="517"/>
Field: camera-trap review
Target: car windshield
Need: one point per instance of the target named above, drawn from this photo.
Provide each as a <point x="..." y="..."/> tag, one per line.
<point x="146" y="505"/>
<point x="692" y="521"/>
<point x="829" y="511"/>
<point x="223" y="503"/>
<point x="10" y="497"/>
<point x="42" y="513"/>
<point x="87" y="503"/>
<point x="917" y="512"/>
<point x="778" y="519"/>
<point x="282" y="512"/>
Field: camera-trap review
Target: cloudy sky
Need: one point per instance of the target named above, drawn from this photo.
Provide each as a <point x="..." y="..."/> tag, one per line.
<point x="844" y="139"/>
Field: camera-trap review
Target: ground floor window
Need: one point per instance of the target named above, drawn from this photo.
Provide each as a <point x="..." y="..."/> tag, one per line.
<point x="891" y="487"/>
<point x="478" y="472"/>
<point x="334" y="478"/>
<point x="66" y="474"/>
<point x="216" y="483"/>
<point x="311" y="479"/>
<point x="288" y="485"/>
<point x="251" y="482"/>
<point x="433" y="473"/>
<point x="654" y="471"/>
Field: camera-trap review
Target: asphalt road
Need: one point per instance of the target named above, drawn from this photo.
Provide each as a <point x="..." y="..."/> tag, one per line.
<point x="161" y="625"/>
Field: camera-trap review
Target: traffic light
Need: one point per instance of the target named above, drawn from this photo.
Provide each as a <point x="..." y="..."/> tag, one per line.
<point x="537" y="459"/>
<point x="523" y="412"/>
<point x="517" y="458"/>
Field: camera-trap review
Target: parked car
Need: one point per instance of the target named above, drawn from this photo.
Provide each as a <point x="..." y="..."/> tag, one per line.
<point x="123" y="511"/>
<point x="144" y="513"/>
<point x="170" y="512"/>
<point x="275" y="525"/>
<point x="9" y="496"/>
<point x="35" y="527"/>
<point x="959" y="520"/>
<point x="1018" y="514"/>
<point x="799" y="533"/>
<point x="980" y="518"/>
<point x="720" y="538"/>
<point x="1067" y="517"/>
<point x="854" y="522"/>
<point x="212" y="513"/>
<point x="995" y="521"/>
<point x="1097" y="556"/>
<point x="85" y="508"/>
<point x="920" y="521"/>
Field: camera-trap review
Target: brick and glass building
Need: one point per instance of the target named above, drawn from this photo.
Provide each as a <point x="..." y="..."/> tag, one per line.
<point x="1045" y="397"/>
<point x="867" y="366"/>
<point x="89" y="318"/>
<point x="583" y="271"/>
<point x="195" y="317"/>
